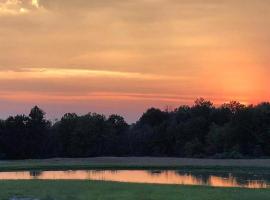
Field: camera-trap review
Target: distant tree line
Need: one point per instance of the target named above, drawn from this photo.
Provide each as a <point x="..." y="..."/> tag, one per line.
<point x="231" y="130"/>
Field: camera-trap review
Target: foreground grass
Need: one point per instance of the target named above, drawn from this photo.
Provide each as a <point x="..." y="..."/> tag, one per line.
<point x="260" y="165"/>
<point x="87" y="190"/>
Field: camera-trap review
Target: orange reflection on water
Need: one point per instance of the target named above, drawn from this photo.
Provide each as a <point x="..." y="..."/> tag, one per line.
<point x="232" y="182"/>
<point x="136" y="176"/>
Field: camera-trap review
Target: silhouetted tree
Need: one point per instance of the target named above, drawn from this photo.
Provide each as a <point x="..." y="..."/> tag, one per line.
<point x="231" y="130"/>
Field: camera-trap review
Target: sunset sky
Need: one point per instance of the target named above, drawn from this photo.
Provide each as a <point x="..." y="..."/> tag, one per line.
<point x="123" y="56"/>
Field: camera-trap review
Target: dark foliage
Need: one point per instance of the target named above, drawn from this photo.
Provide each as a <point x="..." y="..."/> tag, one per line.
<point x="232" y="130"/>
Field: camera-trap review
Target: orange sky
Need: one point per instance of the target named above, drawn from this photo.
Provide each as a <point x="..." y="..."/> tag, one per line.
<point x="123" y="56"/>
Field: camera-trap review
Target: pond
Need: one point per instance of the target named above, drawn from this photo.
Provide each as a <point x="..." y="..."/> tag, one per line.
<point x="146" y="176"/>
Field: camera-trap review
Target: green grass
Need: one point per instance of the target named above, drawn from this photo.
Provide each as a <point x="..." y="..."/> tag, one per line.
<point x="87" y="190"/>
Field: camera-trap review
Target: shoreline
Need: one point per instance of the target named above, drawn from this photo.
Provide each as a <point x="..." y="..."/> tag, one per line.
<point x="151" y="163"/>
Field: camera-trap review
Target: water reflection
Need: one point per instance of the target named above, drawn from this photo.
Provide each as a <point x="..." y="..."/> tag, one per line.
<point x="144" y="176"/>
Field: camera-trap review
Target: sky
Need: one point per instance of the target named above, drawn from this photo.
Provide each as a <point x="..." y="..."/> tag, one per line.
<point x="124" y="56"/>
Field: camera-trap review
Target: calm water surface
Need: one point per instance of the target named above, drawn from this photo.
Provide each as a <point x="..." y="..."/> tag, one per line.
<point x="144" y="176"/>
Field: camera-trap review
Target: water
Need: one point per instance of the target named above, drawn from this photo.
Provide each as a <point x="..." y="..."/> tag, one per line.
<point x="144" y="176"/>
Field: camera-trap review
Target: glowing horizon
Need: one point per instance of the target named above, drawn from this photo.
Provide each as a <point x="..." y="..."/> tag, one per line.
<point x="122" y="57"/>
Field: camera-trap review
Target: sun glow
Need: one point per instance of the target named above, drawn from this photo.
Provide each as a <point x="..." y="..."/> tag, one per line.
<point x="23" y="10"/>
<point x="35" y="3"/>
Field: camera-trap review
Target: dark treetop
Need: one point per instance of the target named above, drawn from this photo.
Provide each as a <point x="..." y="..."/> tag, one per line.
<point x="232" y="130"/>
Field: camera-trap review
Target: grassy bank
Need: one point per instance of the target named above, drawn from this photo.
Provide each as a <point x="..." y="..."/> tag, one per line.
<point x="85" y="190"/>
<point x="138" y="163"/>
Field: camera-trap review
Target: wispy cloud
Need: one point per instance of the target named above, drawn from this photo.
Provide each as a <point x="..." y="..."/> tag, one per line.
<point x="17" y="7"/>
<point x="51" y="73"/>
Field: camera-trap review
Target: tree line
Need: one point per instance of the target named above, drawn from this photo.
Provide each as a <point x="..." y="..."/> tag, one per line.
<point x="232" y="130"/>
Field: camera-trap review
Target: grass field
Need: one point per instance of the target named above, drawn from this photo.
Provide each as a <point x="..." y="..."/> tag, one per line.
<point x="87" y="190"/>
<point x="262" y="165"/>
